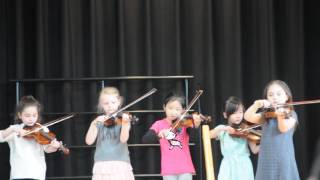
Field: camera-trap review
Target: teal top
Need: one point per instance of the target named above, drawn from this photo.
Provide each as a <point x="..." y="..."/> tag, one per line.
<point x="109" y="147"/>
<point x="236" y="163"/>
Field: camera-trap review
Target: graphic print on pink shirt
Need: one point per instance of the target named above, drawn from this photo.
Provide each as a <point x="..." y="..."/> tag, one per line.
<point x="171" y="136"/>
<point x="175" y="152"/>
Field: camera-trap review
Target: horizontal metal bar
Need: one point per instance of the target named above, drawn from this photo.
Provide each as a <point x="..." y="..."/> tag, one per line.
<point x="101" y="78"/>
<point x="91" y="112"/>
<point x="89" y="177"/>
<point x="130" y="145"/>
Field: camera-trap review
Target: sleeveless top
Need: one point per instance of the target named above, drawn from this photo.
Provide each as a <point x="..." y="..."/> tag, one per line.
<point x="277" y="157"/>
<point x="109" y="147"/>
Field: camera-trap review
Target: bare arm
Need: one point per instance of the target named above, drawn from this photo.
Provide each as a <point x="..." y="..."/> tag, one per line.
<point x="1" y="137"/>
<point x="11" y="131"/>
<point x="285" y="123"/>
<point x="52" y="147"/>
<point x="251" y="114"/>
<point x="92" y="133"/>
<point x="7" y="132"/>
<point x="125" y="128"/>
<point x="254" y="147"/>
<point x="196" y="120"/>
<point x="214" y="133"/>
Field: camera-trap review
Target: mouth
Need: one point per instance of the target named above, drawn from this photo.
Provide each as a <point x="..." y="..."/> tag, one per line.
<point x="30" y="124"/>
<point x="238" y="121"/>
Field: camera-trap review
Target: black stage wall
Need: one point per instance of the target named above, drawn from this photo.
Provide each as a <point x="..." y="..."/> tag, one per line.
<point x="232" y="47"/>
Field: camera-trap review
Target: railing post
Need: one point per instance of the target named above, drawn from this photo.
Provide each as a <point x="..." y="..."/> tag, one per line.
<point x="17" y="92"/>
<point x="102" y="84"/>
<point x="186" y="86"/>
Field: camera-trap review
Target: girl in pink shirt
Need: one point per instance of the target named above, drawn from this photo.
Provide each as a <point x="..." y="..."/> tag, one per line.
<point x="176" y="163"/>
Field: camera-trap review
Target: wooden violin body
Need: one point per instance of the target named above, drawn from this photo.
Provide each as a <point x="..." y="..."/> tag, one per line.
<point x="246" y="131"/>
<point x="117" y="120"/>
<point x="188" y="121"/>
<point x="271" y="113"/>
<point x="43" y="137"/>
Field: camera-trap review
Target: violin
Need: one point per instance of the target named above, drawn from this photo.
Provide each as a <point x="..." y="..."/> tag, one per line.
<point x="117" y="120"/>
<point x="271" y="112"/>
<point x="246" y="131"/>
<point x="43" y="137"/>
<point x="182" y="120"/>
<point x="188" y="121"/>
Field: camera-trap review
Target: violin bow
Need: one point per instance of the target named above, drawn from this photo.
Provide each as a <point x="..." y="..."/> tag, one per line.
<point x="50" y="124"/>
<point x="153" y="90"/>
<point x="195" y="98"/>
<point x="252" y="127"/>
<point x="300" y="103"/>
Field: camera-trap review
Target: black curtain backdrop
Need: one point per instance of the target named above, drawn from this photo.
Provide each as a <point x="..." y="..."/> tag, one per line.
<point x="232" y="47"/>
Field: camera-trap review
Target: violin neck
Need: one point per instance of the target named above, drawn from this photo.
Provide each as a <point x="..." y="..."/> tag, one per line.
<point x="253" y="131"/>
<point x="61" y="148"/>
<point x="46" y="135"/>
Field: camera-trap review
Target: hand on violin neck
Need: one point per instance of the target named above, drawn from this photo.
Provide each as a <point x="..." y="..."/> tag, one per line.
<point x="55" y="144"/>
<point x="52" y="147"/>
<point x="125" y="119"/>
<point x="196" y="119"/>
<point x="281" y="113"/>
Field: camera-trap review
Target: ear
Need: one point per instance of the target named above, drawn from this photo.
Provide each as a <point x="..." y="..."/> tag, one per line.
<point x="225" y="115"/>
<point x="121" y="100"/>
<point x="19" y="115"/>
<point x="164" y="107"/>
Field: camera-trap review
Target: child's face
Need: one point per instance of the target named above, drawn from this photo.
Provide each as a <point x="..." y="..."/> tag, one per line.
<point x="236" y="117"/>
<point x="276" y="95"/>
<point x="109" y="103"/>
<point x="173" y="109"/>
<point x="29" y="115"/>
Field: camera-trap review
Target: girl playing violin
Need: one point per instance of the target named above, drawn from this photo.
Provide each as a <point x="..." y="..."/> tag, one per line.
<point x="236" y="163"/>
<point x="176" y="163"/>
<point x="27" y="158"/>
<point x="111" y="159"/>
<point x="276" y="157"/>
